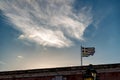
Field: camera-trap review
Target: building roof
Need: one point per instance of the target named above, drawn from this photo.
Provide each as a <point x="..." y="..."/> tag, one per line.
<point x="62" y="70"/>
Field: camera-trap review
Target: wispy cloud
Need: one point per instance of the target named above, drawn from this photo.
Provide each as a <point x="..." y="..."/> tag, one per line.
<point x="20" y="57"/>
<point x="3" y="63"/>
<point x="47" y="22"/>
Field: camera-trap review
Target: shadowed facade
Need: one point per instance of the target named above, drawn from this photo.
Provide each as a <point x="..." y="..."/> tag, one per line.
<point x="105" y="72"/>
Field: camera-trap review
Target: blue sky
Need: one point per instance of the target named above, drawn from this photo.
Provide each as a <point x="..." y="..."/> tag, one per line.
<point x="49" y="33"/>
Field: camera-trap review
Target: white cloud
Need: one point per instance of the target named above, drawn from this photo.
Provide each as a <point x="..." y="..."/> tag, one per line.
<point x="47" y="22"/>
<point x="20" y="57"/>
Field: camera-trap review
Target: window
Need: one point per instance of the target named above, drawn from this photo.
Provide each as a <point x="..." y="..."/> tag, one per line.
<point x="59" y="78"/>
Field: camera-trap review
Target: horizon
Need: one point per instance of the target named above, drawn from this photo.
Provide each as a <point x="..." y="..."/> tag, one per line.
<point x="59" y="67"/>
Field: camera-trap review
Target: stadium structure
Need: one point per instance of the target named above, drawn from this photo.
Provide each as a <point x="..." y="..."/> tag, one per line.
<point x="104" y="72"/>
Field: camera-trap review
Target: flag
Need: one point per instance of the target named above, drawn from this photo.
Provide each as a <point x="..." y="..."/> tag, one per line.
<point x="87" y="51"/>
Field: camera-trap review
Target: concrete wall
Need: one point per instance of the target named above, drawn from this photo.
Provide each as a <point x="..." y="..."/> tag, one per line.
<point x="105" y="72"/>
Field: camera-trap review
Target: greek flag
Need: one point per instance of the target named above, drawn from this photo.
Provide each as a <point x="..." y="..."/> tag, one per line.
<point x="87" y="51"/>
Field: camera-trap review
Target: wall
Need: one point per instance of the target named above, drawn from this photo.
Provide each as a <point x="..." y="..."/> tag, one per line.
<point x="105" y="72"/>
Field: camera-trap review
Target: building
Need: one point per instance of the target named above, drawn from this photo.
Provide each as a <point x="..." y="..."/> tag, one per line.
<point x="105" y="72"/>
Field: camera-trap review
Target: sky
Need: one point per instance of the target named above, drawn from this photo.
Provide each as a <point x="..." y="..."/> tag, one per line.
<point x="37" y="34"/>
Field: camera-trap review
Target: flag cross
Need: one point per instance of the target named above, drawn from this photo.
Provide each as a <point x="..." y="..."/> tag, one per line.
<point x="87" y="51"/>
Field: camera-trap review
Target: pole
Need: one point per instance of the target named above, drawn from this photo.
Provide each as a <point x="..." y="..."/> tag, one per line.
<point x="81" y="62"/>
<point x="81" y="57"/>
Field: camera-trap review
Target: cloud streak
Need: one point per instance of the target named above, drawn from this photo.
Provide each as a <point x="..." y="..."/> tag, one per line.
<point x="20" y="57"/>
<point x="47" y="22"/>
<point x="3" y="63"/>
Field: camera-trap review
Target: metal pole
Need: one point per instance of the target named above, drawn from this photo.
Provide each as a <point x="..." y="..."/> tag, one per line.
<point x="81" y="57"/>
<point x="81" y="61"/>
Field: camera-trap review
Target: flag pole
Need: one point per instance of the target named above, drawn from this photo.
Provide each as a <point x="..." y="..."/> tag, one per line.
<point x="81" y="56"/>
<point x="81" y="61"/>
